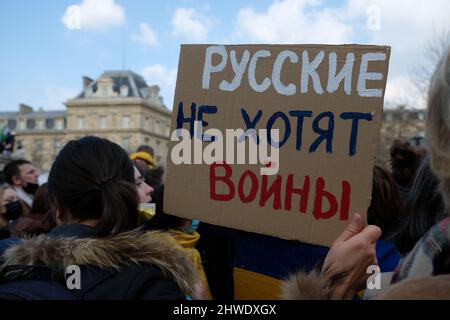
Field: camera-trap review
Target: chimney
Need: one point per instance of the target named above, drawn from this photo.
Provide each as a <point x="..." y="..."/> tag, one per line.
<point x="23" y="108"/>
<point x="86" y="82"/>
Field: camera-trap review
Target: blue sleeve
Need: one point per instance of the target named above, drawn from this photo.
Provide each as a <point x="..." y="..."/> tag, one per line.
<point x="7" y="243"/>
<point x="387" y="255"/>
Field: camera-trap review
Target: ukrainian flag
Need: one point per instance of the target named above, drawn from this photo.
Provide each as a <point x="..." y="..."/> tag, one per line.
<point x="262" y="262"/>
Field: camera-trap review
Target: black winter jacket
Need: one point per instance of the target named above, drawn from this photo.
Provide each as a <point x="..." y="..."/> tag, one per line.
<point x="131" y="265"/>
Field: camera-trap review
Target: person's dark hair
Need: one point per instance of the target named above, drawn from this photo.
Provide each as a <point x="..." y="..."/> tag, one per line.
<point x="425" y="208"/>
<point x="405" y="160"/>
<point x="12" y="169"/>
<point x="93" y="178"/>
<point x="41" y="200"/>
<point x="41" y="206"/>
<point x="162" y="220"/>
<point x="386" y="206"/>
<point x="145" y="148"/>
<point x="153" y="177"/>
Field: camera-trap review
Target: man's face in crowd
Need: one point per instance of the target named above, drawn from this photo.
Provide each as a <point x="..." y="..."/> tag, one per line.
<point x="28" y="174"/>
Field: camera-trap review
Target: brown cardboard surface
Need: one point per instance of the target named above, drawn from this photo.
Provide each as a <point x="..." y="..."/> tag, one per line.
<point x="188" y="186"/>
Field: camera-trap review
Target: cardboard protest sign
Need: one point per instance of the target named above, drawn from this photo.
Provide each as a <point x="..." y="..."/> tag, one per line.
<point x="326" y="102"/>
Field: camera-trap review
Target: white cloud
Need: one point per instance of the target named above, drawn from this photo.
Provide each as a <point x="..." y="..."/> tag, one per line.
<point x="189" y="26"/>
<point x="94" y="15"/>
<point x="146" y="36"/>
<point x="53" y="97"/>
<point x="163" y="77"/>
<point x="57" y="95"/>
<point x="292" y="21"/>
<point x="405" y="25"/>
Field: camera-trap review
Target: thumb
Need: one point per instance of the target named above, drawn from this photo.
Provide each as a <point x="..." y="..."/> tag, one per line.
<point x="352" y="229"/>
<point x="370" y="233"/>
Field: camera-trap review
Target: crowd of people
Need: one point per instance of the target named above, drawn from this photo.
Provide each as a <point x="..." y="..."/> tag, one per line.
<point x="89" y="214"/>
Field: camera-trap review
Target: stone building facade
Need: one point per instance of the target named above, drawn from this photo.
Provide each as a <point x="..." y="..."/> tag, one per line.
<point x="119" y="106"/>
<point x="401" y="123"/>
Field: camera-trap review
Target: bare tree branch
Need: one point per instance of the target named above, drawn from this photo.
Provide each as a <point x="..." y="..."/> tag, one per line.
<point x="432" y="52"/>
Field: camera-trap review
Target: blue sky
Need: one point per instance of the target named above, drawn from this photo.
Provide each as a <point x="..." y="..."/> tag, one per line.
<point x="42" y="58"/>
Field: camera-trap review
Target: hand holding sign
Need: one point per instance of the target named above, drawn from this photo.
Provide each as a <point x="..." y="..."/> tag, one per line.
<point x="350" y="255"/>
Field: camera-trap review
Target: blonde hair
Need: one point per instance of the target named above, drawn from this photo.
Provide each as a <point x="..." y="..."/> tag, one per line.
<point x="438" y="125"/>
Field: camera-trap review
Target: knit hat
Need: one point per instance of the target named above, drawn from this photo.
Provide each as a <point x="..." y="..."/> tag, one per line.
<point x="147" y="157"/>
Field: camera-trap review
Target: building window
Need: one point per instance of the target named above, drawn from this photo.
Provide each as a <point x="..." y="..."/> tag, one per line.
<point x="147" y="123"/>
<point x="417" y="141"/>
<point x="80" y="123"/>
<point x="158" y="142"/>
<point x="31" y="124"/>
<point x="157" y="127"/>
<point x="126" y="143"/>
<point x="146" y="140"/>
<point x="103" y="122"/>
<point x="12" y="123"/>
<point x="49" y="124"/>
<point x="126" y="121"/>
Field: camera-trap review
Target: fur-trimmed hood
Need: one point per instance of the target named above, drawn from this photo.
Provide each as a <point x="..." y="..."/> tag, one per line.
<point x="306" y="286"/>
<point x="111" y="253"/>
